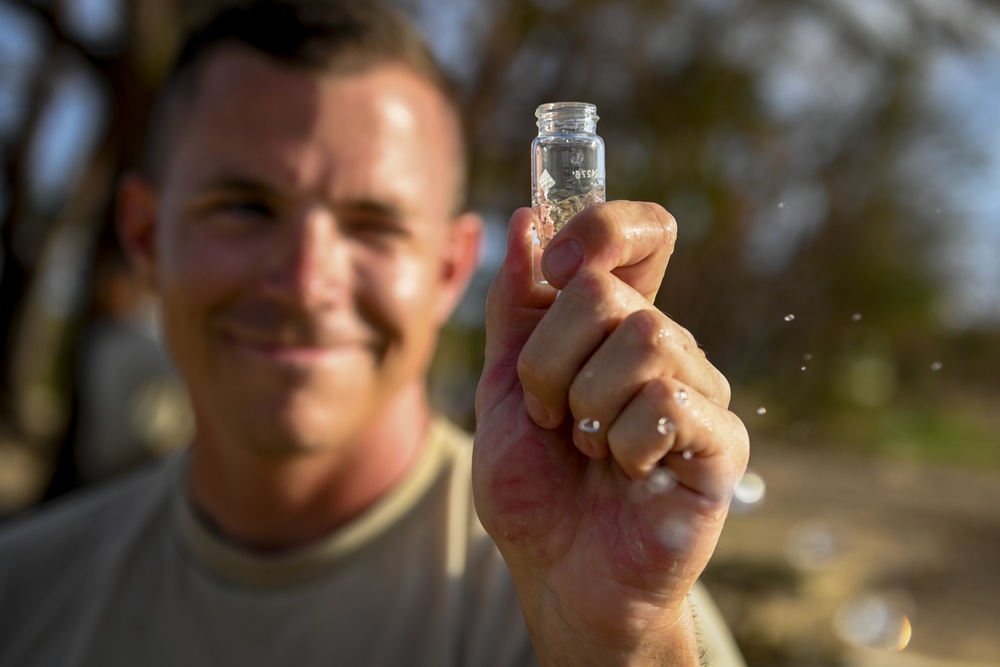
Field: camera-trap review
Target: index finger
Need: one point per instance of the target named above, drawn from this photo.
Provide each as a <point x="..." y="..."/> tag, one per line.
<point x="632" y="240"/>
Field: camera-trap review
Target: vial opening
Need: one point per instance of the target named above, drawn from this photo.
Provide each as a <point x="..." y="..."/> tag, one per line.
<point x="566" y="117"/>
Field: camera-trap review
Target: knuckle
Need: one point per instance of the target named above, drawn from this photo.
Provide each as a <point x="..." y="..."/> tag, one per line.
<point x="590" y="287"/>
<point x="662" y="391"/>
<point x="723" y="391"/>
<point x="742" y="436"/>
<point x="690" y="343"/>
<point x="666" y="221"/>
<point x="531" y="370"/>
<point x="583" y="397"/>
<point x="646" y="330"/>
<point x="659" y="218"/>
<point x="637" y="454"/>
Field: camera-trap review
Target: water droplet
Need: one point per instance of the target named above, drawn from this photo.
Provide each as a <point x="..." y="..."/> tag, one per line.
<point x="873" y="621"/>
<point x="750" y="489"/>
<point x="781" y="204"/>
<point x="662" y="333"/>
<point x="687" y="455"/>
<point x="856" y="317"/>
<point x="807" y="357"/>
<point x="660" y="481"/>
<point x="676" y="533"/>
<point x="681" y="396"/>
<point x="588" y="425"/>
<point x="762" y="410"/>
<point x="811" y="545"/>
<point x="665" y="426"/>
<point x="789" y="317"/>
<point x="803" y="368"/>
<point x="936" y="366"/>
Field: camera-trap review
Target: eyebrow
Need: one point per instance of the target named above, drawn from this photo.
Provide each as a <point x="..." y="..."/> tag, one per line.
<point x="372" y="207"/>
<point x="234" y="183"/>
<point x="363" y="205"/>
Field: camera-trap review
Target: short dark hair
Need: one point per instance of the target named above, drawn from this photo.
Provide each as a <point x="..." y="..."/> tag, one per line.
<point x="340" y="37"/>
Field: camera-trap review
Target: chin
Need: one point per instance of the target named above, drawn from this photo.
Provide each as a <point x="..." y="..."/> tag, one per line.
<point x="311" y="429"/>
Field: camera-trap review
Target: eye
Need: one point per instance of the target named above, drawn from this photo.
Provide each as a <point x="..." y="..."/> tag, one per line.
<point x="379" y="226"/>
<point x="246" y="207"/>
<point x="376" y="224"/>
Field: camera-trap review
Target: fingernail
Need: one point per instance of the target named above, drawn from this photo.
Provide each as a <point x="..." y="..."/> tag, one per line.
<point x="587" y="445"/>
<point x="564" y="258"/>
<point x="538" y="412"/>
<point x="584" y="444"/>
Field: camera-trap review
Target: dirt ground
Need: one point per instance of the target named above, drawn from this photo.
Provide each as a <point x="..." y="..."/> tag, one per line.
<point x="847" y="561"/>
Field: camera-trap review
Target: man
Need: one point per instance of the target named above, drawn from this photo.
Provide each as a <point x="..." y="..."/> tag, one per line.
<point x="300" y="221"/>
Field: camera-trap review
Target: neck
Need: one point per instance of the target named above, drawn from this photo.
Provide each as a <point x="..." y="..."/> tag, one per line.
<point x="269" y="503"/>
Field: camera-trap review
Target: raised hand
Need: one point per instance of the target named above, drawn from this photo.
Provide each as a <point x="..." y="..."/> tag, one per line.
<point x="605" y="454"/>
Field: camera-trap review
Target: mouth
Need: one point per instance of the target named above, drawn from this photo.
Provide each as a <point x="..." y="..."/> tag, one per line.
<point x="300" y="353"/>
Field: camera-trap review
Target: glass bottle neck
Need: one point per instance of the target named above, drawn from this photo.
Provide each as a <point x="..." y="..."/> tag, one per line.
<point x="566" y="118"/>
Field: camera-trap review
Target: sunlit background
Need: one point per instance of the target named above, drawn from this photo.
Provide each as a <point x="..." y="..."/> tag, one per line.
<point x="834" y="167"/>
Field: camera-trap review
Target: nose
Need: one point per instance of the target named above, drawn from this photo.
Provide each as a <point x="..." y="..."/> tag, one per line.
<point x="310" y="263"/>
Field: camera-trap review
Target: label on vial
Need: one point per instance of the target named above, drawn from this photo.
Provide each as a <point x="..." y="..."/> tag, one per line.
<point x="545" y="181"/>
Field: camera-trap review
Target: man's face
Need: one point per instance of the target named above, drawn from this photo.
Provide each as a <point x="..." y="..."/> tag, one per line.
<point x="303" y="248"/>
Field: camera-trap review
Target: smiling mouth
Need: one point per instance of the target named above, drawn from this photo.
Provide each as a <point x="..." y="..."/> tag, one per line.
<point x="301" y="353"/>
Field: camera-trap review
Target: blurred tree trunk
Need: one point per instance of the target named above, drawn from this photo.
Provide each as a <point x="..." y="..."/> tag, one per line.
<point x="39" y="339"/>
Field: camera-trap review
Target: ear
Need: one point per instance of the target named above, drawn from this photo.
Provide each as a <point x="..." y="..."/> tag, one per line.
<point x="137" y="203"/>
<point x="459" y="261"/>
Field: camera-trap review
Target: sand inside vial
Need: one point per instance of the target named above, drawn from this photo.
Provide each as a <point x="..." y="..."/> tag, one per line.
<point x="552" y="214"/>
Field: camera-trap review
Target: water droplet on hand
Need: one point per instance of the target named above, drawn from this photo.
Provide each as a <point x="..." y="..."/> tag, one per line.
<point x="665" y="426"/>
<point x="676" y="533"/>
<point x="681" y="396"/>
<point x="588" y="425"/>
<point x="687" y="455"/>
<point x="660" y="481"/>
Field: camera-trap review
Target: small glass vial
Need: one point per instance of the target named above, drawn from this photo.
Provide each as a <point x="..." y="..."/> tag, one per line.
<point x="567" y="168"/>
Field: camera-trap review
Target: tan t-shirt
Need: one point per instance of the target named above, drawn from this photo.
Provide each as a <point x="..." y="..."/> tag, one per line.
<point x="128" y="575"/>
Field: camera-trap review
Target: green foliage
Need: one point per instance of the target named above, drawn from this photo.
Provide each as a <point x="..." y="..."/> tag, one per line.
<point x="781" y="135"/>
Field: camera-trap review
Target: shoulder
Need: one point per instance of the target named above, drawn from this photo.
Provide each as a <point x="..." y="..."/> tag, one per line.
<point x="60" y="563"/>
<point x="61" y="528"/>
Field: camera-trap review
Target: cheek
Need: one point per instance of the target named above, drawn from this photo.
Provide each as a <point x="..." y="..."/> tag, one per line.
<point x="198" y="267"/>
<point x="405" y="292"/>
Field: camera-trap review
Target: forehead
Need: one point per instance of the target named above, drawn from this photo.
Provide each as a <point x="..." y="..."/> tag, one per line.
<point x="246" y="113"/>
